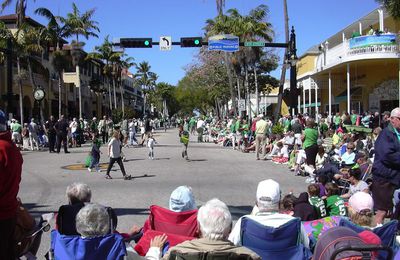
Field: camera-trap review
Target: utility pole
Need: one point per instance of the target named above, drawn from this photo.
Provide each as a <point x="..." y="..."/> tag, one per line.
<point x="10" y="96"/>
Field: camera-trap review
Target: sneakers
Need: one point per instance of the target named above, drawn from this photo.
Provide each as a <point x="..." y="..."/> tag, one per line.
<point x="89" y="169"/>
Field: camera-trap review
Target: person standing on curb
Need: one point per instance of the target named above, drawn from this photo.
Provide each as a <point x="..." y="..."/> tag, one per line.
<point x="10" y="177"/>
<point x="261" y="131"/>
<point x="386" y="167"/>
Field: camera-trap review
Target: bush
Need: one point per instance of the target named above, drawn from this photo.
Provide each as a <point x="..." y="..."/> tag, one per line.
<point x="278" y="129"/>
<point x="117" y="114"/>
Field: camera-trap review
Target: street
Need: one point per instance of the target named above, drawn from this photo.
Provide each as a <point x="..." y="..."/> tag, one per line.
<point x="212" y="171"/>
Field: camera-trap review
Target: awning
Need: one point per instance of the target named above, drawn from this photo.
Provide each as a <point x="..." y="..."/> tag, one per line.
<point x="312" y="105"/>
<point x="343" y="96"/>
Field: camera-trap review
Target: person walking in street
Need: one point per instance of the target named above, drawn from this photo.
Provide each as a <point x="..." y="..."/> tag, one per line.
<point x="51" y="133"/>
<point x="103" y="129"/>
<point x="33" y="135"/>
<point x="16" y="130"/>
<point x="261" y="131"/>
<point x="200" y="130"/>
<point x="95" y="154"/>
<point x="114" y="152"/>
<point x="10" y="177"/>
<point x="386" y="167"/>
<point x="62" y="134"/>
<point x="184" y="139"/>
<point x="132" y="133"/>
<point x="74" y="131"/>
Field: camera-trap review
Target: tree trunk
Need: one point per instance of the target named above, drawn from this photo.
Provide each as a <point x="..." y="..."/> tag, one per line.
<point x="21" y="93"/>
<point x="248" y="94"/>
<point x="257" y="93"/>
<point x="115" y="95"/>
<point x="283" y="71"/>
<point x="109" y="95"/>
<point x="122" y="100"/>
<point x="230" y="79"/>
<point x="59" y="94"/>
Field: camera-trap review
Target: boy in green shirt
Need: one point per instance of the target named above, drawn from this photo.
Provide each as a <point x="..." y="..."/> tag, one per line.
<point x="316" y="201"/>
<point x="334" y="203"/>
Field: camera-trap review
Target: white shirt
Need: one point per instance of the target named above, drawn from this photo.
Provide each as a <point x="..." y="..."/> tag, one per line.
<point x="114" y="147"/>
<point x="200" y="123"/>
<point x="272" y="220"/>
<point x="150" y="142"/>
<point x="132" y="127"/>
<point x="73" y="126"/>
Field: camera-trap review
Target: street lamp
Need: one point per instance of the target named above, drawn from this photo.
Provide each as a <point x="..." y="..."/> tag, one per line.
<point x="291" y="60"/>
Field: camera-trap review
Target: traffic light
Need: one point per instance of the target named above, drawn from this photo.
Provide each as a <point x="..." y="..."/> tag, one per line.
<point x="136" y="42"/>
<point x="191" y="42"/>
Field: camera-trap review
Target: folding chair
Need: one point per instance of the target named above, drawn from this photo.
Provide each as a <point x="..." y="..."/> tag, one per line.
<point x="165" y="220"/>
<point x="176" y="255"/>
<point x="108" y="247"/>
<point x="274" y="243"/>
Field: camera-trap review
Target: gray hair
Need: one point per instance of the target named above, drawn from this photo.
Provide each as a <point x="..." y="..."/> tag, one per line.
<point x="215" y="220"/>
<point x="92" y="220"/>
<point x="78" y="192"/>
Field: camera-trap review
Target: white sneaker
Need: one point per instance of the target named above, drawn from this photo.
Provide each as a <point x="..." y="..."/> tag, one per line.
<point x="89" y="169"/>
<point x="152" y="158"/>
<point x="310" y="180"/>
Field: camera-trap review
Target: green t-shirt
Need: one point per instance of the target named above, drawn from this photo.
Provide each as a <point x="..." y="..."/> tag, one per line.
<point x="16" y="128"/>
<point x="311" y="137"/>
<point x="245" y="128"/>
<point x="232" y="128"/>
<point x="237" y="125"/>
<point x="335" y="206"/>
<point x="353" y="119"/>
<point x="319" y="205"/>
<point x="336" y="119"/>
<point x="323" y="127"/>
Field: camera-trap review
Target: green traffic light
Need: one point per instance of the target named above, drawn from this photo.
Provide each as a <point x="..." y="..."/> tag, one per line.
<point x="196" y="42"/>
<point x="146" y="43"/>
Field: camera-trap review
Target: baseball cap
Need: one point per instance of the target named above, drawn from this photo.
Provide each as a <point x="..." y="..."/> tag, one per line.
<point x="395" y="112"/>
<point x="268" y="192"/>
<point x="361" y="201"/>
<point x="260" y="115"/>
<point x="3" y="121"/>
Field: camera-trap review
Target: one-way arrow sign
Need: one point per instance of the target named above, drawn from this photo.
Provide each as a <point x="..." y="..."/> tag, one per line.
<point x="165" y="43"/>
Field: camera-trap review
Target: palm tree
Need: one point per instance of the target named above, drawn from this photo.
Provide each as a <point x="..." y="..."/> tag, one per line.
<point x="220" y="6"/>
<point x="146" y="79"/>
<point x="124" y="63"/>
<point x="56" y="31"/>
<point x="20" y="9"/>
<point x="80" y="24"/>
<point x="393" y="6"/>
<point x="105" y="53"/>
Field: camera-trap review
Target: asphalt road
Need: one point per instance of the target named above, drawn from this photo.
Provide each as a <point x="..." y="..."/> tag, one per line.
<point x="212" y="172"/>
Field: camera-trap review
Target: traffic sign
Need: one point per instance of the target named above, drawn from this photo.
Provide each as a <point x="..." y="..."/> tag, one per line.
<point x="223" y="42"/>
<point x="242" y="105"/>
<point x="254" y="44"/>
<point x="165" y="43"/>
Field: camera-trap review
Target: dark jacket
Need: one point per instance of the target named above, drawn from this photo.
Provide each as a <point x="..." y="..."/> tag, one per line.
<point x="303" y="209"/>
<point x="10" y="176"/>
<point x="387" y="157"/>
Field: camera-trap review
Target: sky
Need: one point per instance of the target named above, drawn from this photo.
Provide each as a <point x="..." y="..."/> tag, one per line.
<point x="314" y="21"/>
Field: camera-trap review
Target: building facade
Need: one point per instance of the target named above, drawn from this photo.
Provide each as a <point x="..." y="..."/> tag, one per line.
<point x="356" y="69"/>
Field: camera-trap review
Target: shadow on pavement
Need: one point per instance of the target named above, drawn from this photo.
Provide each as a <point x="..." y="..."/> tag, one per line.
<point x="131" y="160"/>
<point x="197" y="160"/>
<point x="143" y="176"/>
<point x="131" y="211"/>
<point x="156" y="159"/>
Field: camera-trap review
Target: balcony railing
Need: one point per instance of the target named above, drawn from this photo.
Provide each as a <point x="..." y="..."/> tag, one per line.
<point x="358" y="46"/>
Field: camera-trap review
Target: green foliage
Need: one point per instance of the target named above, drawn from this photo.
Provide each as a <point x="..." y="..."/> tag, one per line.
<point x="117" y="114"/>
<point x="277" y="129"/>
<point x="393" y="7"/>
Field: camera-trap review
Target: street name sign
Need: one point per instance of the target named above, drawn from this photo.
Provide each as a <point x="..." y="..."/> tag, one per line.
<point x="242" y="105"/>
<point x="254" y="44"/>
<point x="223" y="42"/>
<point x="165" y="43"/>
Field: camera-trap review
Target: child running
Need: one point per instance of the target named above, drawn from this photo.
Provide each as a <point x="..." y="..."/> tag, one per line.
<point x="150" y="145"/>
<point x="114" y="152"/>
<point x="95" y="154"/>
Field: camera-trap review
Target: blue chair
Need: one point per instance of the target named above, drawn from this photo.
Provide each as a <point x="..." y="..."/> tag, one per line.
<point x="387" y="232"/>
<point x="274" y="243"/>
<point x="108" y="247"/>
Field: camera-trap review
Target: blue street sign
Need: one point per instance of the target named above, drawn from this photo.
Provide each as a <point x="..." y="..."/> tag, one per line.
<point x="224" y="42"/>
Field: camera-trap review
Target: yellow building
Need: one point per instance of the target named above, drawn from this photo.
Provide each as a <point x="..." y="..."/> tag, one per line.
<point x="358" y="68"/>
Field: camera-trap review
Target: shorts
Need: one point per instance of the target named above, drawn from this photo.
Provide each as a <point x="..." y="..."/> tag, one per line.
<point x="382" y="194"/>
<point x="74" y="135"/>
